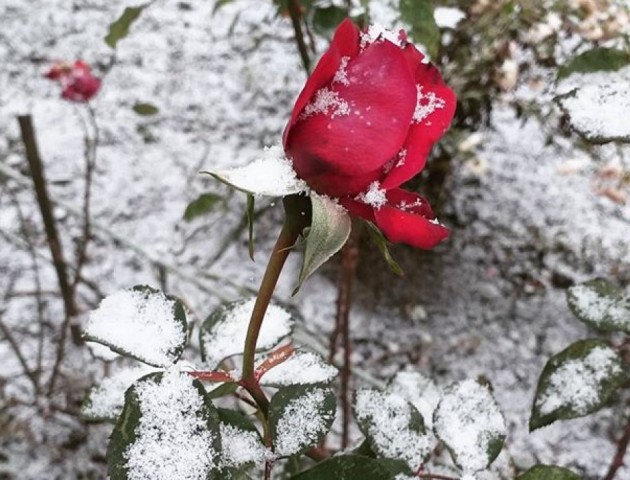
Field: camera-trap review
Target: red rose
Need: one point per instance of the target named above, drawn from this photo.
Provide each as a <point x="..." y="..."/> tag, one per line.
<point x="365" y="123"/>
<point x="77" y="81"/>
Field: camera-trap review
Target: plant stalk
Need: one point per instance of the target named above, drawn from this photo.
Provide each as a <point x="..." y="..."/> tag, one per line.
<point x="296" y="220"/>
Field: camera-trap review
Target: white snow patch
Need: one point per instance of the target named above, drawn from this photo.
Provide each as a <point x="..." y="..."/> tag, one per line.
<point x="271" y="175"/>
<point x="140" y="323"/>
<point x="227" y="337"/>
<point x="173" y="440"/>
<point x="301" y="423"/>
<point x="107" y="399"/>
<point x="576" y="383"/>
<point x="596" y="110"/>
<point x="301" y="368"/>
<point x="241" y="446"/>
<point x="374" y="196"/>
<point x="420" y="391"/>
<point x="387" y="417"/>
<point x="327" y="102"/>
<point x="448" y="17"/>
<point x="427" y="104"/>
<point x="599" y="308"/>
<point x="341" y="76"/>
<point x="467" y="420"/>
<point x="377" y="33"/>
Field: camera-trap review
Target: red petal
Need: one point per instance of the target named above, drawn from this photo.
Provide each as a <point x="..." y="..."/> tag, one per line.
<point x="429" y="130"/>
<point x="345" y="43"/>
<point x="412" y="229"/>
<point x="342" y="185"/>
<point x="381" y="96"/>
<point x="358" y="209"/>
<point x="409" y="202"/>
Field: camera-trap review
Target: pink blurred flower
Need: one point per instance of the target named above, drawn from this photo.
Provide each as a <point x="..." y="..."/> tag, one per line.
<point x="76" y="79"/>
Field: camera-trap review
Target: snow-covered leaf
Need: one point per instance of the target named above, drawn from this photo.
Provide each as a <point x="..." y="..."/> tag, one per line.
<point x="418" y="390"/>
<point x="330" y="229"/>
<point x="202" y="205"/>
<point x="470" y="424"/>
<point x="300" y="416"/>
<point x="594" y="111"/>
<point x="240" y="440"/>
<point x="119" y="29"/>
<point x="302" y="368"/>
<point x="167" y="430"/>
<point x="548" y="472"/>
<point x="223" y="333"/>
<point x="105" y="401"/>
<point x="142" y="323"/>
<point x="347" y="467"/>
<point x="577" y="381"/>
<point x="393" y="427"/>
<point x="271" y="175"/>
<point x="601" y="305"/>
<point x="598" y="59"/>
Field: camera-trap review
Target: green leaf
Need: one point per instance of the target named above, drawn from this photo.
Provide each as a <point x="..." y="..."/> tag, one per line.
<point x="120" y="28"/>
<point x="249" y="213"/>
<point x="300" y="416"/>
<point x="393" y="427"/>
<point x="548" y="472"/>
<point x="222" y="390"/>
<point x="577" y="381"/>
<point x="469" y="406"/>
<point x="201" y="205"/>
<point x="219" y="4"/>
<point x="326" y="19"/>
<point x="330" y="229"/>
<point x="598" y="59"/>
<point x="222" y="334"/>
<point x="142" y="323"/>
<point x="383" y="245"/>
<point x="419" y="15"/>
<point x="236" y="419"/>
<point x="145" y="109"/>
<point x="165" y="412"/>
<point x="347" y="467"/>
<point x="601" y="305"/>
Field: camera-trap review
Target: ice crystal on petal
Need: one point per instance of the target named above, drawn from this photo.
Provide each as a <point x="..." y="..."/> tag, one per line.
<point x="342" y="75"/>
<point x="328" y="102"/>
<point x="427" y="104"/>
<point x="375" y="196"/>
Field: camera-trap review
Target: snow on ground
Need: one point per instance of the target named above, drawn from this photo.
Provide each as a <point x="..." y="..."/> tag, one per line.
<point x="528" y="218"/>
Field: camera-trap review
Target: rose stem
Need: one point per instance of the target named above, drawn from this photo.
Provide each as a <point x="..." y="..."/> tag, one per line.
<point x="296" y="15"/>
<point x="622" y="447"/>
<point x="349" y="261"/>
<point x="297" y="218"/>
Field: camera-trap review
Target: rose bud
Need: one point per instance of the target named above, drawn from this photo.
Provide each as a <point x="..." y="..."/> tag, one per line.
<point x="77" y="81"/>
<point x="365" y="123"/>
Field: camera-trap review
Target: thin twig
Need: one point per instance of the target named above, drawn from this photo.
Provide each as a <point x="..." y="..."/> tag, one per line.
<point x="91" y="146"/>
<point x="14" y="344"/>
<point x="622" y="447"/>
<point x="434" y="476"/>
<point x="349" y="261"/>
<point x="52" y="236"/>
<point x="296" y="17"/>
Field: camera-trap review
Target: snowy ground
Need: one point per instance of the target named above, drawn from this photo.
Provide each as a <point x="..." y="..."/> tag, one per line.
<point x="528" y="219"/>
